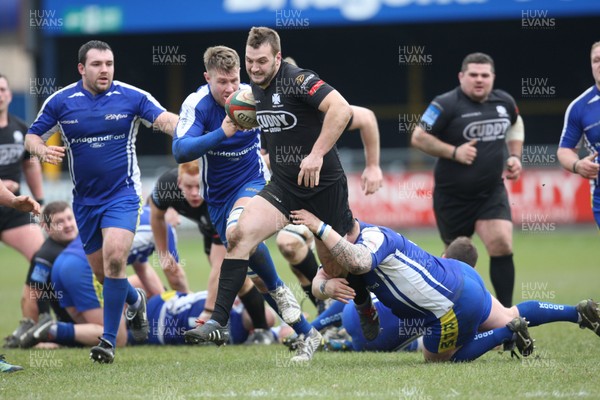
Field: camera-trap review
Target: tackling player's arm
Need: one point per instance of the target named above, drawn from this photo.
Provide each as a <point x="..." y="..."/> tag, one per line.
<point x="355" y="259"/>
<point x="173" y="272"/>
<point x="337" y="115"/>
<point x="365" y="121"/>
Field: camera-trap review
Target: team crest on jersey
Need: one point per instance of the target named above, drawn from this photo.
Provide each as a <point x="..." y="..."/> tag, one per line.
<point x="18" y="136"/>
<point x="276" y="99"/>
<point x="502" y="111"/>
<point x="300" y="79"/>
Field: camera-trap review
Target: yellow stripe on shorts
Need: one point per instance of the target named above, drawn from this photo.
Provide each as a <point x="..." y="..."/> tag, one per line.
<point x="449" y="333"/>
<point x="168" y="295"/>
<point x="98" y="290"/>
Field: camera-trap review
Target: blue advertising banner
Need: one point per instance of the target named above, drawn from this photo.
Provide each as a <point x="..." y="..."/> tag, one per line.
<point x="63" y="17"/>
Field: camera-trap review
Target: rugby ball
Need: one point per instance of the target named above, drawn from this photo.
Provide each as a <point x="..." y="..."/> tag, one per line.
<point x="241" y="108"/>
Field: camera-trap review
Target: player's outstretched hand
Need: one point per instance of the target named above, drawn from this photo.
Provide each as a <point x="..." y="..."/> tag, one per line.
<point x="306" y="218"/>
<point x="587" y="167"/>
<point x="371" y="179"/>
<point x="310" y="168"/>
<point x="52" y="154"/>
<point x="339" y="289"/>
<point x="514" y="167"/>
<point x="26" y="204"/>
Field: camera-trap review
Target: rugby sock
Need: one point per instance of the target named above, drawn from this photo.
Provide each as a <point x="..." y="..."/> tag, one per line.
<point x="43" y="306"/>
<point x="231" y="280"/>
<point x="64" y="334"/>
<point x="481" y="344"/>
<point x="502" y="275"/>
<point x="262" y="263"/>
<point x="357" y="283"/>
<point x="255" y="305"/>
<point x="308" y="267"/>
<point x="114" y="292"/>
<point x="300" y="327"/>
<point x="538" y="312"/>
<point x="330" y="316"/>
<point x="133" y="298"/>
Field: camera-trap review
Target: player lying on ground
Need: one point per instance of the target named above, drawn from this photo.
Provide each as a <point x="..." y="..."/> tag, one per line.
<point x="445" y="295"/>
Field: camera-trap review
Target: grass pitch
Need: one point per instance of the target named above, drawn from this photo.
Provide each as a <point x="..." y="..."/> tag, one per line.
<point x="559" y="266"/>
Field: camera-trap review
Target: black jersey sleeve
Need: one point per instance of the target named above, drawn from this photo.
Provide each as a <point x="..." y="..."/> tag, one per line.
<point x="163" y="192"/>
<point x="438" y="114"/>
<point x="306" y="84"/>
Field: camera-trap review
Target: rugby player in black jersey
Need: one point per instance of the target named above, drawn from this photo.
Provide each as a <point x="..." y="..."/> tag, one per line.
<point x="476" y="132"/>
<point x="302" y="118"/>
<point x="179" y="189"/>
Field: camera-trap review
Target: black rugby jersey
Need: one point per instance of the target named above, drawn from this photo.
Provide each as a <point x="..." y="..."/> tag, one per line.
<point x="167" y="194"/>
<point x="287" y="111"/>
<point x="12" y="149"/>
<point x="456" y="119"/>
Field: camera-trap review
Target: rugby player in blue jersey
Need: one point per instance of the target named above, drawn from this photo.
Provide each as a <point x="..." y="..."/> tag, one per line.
<point x="582" y="123"/>
<point x="232" y="173"/>
<point x="98" y="119"/>
<point x="443" y="295"/>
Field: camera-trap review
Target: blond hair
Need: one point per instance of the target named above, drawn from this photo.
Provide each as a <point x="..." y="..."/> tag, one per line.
<point x="221" y="58"/>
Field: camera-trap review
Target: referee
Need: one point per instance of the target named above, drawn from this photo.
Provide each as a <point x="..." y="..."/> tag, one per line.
<point x="468" y="129"/>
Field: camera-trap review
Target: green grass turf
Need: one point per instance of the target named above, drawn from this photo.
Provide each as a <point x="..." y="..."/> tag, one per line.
<point x="559" y="266"/>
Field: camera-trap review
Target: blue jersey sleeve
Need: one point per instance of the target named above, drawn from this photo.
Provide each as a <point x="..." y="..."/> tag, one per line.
<point x="572" y="129"/>
<point x="47" y="118"/>
<point x="376" y="241"/>
<point x="190" y="142"/>
<point x="148" y="107"/>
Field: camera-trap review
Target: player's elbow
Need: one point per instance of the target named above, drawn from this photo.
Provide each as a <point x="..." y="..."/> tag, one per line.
<point x="179" y="153"/>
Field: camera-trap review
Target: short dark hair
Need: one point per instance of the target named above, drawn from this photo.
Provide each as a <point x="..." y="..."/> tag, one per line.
<point x="261" y="35"/>
<point x="92" y="44"/>
<point x="51" y="209"/>
<point x="477" y="58"/>
<point x="462" y="249"/>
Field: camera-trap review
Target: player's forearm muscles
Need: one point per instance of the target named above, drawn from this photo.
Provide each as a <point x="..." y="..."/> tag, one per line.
<point x="188" y="148"/>
<point x="355" y="259"/>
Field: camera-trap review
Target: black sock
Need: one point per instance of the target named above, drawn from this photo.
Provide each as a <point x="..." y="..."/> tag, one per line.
<point x="308" y="290"/>
<point x="502" y="275"/>
<point x="308" y="267"/>
<point x="231" y="280"/>
<point x="357" y="283"/>
<point x="255" y="305"/>
<point x="43" y="305"/>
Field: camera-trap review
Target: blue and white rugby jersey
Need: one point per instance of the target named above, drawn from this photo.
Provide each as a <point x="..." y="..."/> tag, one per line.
<point x="407" y="279"/>
<point x="582" y="118"/>
<point x="225" y="163"/>
<point x="99" y="133"/>
<point x="582" y="122"/>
